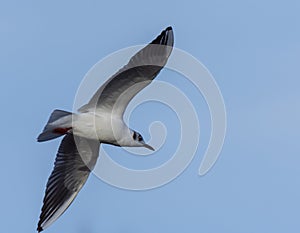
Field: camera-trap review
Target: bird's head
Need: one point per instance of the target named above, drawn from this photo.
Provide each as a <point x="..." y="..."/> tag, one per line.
<point x="138" y="141"/>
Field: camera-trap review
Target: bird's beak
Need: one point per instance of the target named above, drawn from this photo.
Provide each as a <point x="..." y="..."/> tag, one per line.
<point x="148" y="147"/>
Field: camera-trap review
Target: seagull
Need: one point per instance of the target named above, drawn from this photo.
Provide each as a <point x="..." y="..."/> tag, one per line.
<point x="98" y="121"/>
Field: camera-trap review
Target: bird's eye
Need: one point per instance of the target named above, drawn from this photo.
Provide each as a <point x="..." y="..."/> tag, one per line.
<point x="140" y="138"/>
<point x="134" y="136"/>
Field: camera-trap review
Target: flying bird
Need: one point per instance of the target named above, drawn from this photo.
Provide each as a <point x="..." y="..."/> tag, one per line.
<point x="98" y="121"/>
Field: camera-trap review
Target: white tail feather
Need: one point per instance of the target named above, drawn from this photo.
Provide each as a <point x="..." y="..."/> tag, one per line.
<point x="49" y="130"/>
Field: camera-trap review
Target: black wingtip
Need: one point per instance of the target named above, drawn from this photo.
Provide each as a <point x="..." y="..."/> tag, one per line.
<point x="169" y="28"/>
<point x="165" y="38"/>
<point x="39" y="229"/>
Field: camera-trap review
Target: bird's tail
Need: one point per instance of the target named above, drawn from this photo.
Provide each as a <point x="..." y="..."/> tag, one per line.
<point x="59" y="123"/>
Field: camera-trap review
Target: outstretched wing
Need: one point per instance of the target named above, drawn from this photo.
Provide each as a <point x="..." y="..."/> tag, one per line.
<point x="75" y="159"/>
<point x="143" y="67"/>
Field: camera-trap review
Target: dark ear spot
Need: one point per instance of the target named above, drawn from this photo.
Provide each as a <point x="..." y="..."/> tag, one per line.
<point x="134" y="136"/>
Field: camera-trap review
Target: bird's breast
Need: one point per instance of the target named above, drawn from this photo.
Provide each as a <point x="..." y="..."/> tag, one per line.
<point x="102" y="127"/>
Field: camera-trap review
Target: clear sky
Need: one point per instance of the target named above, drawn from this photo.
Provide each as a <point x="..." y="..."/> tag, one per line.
<point x="252" y="48"/>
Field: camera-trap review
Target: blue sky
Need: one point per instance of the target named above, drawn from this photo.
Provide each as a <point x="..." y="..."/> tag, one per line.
<point x="252" y="48"/>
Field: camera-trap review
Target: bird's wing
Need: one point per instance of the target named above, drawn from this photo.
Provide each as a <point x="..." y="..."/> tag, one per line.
<point x="142" y="68"/>
<point x="75" y="159"/>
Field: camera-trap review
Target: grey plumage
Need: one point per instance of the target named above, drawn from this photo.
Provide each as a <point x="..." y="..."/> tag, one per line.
<point x="77" y="155"/>
<point x="71" y="170"/>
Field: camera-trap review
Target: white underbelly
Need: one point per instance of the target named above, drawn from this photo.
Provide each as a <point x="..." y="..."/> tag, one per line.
<point x="99" y="127"/>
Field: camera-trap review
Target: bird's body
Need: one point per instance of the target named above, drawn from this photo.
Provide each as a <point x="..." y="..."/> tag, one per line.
<point x="101" y="126"/>
<point x="99" y="121"/>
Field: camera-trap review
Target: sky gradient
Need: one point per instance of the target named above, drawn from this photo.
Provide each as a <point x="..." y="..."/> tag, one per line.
<point x="252" y="48"/>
